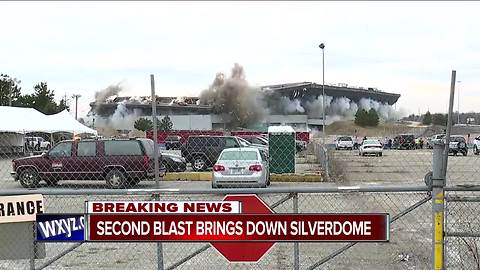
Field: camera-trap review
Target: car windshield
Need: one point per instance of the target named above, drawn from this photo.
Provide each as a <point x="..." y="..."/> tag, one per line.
<point x="458" y="139"/>
<point x="239" y="155"/>
<point x="371" y="142"/>
<point x="345" y="139"/>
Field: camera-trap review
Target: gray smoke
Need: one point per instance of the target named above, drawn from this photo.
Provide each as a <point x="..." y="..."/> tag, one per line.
<point x="240" y="104"/>
<point x="338" y="108"/>
<point x="102" y="95"/>
<point x="121" y="119"/>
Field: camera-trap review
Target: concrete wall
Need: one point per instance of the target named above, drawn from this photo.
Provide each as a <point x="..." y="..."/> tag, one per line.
<point x="195" y="122"/>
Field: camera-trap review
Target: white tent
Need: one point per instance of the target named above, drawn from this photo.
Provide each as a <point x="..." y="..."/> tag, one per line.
<point x="64" y="121"/>
<point x="24" y="120"/>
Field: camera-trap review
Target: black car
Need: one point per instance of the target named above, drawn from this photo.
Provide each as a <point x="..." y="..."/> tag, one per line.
<point x="202" y="151"/>
<point x="172" y="142"/>
<point x="404" y="141"/>
<point x="173" y="163"/>
<point x="458" y="145"/>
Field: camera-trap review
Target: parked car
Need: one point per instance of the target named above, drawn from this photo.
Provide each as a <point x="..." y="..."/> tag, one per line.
<point x="173" y="163"/>
<point x="121" y="163"/>
<point x="433" y="139"/>
<point x="202" y="151"/>
<point x="255" y="139"/>
<point x="37" y="143"/>
<point x="172" y="142"/>
<point x="245" y="167"/>
<point x="300" y="145"/>
<point x="476" y="145"/>
<point x="457" y="145"/>
<point x="404" y="141"/>
<point x="370" y="147"/>
<point x="344" y="142"/>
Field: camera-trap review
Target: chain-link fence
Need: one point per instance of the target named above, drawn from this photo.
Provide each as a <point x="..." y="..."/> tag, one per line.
<point x="230" y="159"/>
<point x="409" y="244"/>
<point x="462" y="228"/>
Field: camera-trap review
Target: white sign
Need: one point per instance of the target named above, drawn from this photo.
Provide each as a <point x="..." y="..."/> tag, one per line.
<point x="20" y="208"/>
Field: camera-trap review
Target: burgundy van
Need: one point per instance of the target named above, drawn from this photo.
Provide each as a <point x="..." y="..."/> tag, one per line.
<point x="121" y="163"/>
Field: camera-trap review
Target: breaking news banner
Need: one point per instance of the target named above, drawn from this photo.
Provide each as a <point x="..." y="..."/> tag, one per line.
<point x="239" y="227"/>
<point x="60" y="227"/>
<point x="157" y="207"/>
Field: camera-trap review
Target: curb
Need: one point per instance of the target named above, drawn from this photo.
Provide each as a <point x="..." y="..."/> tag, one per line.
<point x="207" y="176"/>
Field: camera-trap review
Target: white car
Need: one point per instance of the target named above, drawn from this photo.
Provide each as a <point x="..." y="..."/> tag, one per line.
<point x="371" y="147"/>
<point x="37" y="143"/>
<point x="433" y="139"/>
<point x="344" y="142"/>
<point x="241" y="167"/>
<point x="476" y="145"/>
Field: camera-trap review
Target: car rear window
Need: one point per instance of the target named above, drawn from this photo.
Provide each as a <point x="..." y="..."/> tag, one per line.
<point x="239" y="155"/>
<point x="122" y="148"/>
<point x="371" y="142"/>
<point x="344" y="139"/>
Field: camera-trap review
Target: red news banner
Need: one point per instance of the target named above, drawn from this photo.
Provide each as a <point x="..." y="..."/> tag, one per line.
<point x="196" y="221"/>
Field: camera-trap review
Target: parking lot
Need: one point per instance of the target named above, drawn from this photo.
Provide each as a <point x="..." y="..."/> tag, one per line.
<point x="410" y="236"/>
<point x="402" y="167"/>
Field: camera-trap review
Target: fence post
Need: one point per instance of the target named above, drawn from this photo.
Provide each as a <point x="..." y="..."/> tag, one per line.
<point x="296" y="247"/>
<point x="439" y="172"/>
<point x="438" y="182"/>
<point x="34" y="246"/>
<point x="156" y="164"/>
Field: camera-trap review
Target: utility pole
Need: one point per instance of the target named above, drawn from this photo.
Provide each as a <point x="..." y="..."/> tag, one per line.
<point x="76" y="96"/>
<point x="322" y="46"/>
<point x="458" y="103"/>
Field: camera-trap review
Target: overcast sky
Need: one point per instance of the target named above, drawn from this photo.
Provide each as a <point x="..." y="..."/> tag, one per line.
<point x="402" y="47"/>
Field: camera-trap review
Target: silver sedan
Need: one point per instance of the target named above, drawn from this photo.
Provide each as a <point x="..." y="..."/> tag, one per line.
<point x="241" y="167"/>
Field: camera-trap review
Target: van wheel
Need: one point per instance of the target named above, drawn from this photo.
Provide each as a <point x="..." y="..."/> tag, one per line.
<point x="465" y="153"/>
<point x="475" y="150"/>
<point x="380" y="154"/>
<point x="199" y="163"/>
<point x="115" y="179"/>
<point x="29" y="178"/>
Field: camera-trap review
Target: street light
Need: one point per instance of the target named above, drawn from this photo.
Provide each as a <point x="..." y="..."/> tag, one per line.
<point x="458" y="102"/>
<point x="322" y="46"/>
<point x="76" y="104"/>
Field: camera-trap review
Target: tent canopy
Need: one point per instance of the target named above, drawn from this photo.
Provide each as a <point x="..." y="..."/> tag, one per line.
<point x="23" y="120"/>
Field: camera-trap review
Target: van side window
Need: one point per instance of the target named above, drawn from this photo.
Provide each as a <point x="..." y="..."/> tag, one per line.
<point x="122" y="148"/>
<point x="87" y="149"/>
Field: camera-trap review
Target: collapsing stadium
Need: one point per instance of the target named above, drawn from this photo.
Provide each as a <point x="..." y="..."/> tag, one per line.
<point x="231" y="103"/>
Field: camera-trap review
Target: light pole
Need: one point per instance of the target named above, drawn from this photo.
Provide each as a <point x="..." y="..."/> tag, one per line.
<point x="76" y="105"/>
<point x="322" y="46"/>
<point x="458" y="102"/>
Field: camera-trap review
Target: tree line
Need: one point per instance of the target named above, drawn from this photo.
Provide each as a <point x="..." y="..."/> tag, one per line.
<point x="145" y="124"/>
<point x="42" y="99"/>
<point x="428" y="118"/>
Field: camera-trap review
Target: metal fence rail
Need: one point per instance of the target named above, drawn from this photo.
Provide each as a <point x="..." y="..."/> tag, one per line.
<point x="409" y="245"/>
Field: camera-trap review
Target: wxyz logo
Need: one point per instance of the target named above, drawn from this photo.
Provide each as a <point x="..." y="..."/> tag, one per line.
<point x="63" y="226"/>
